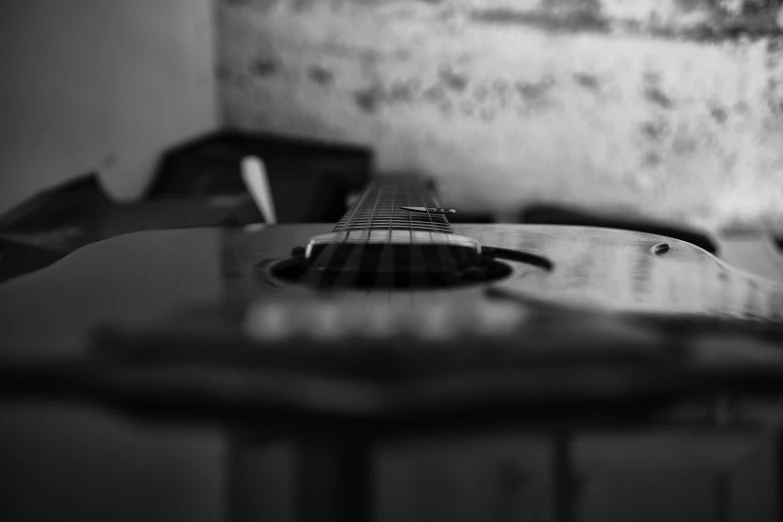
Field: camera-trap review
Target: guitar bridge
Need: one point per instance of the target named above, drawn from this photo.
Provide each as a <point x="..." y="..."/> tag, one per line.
<point x="390" y="259"/>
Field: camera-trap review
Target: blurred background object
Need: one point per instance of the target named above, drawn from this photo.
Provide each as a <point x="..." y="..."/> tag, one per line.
<point x="100" y="86"/>
<point x="197" y="184"/>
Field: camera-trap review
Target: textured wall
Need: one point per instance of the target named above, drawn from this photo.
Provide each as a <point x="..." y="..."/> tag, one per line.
<point x="100" y="85"/>
<point x="670" y="106"/>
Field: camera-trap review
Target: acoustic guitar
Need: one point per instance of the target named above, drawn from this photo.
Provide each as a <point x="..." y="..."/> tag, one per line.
<point x="394" y="287"/>
<point x="394" y="315"/>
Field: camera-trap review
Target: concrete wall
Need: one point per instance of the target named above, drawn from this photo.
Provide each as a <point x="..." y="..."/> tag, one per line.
<point x="100" y="85"/>
<point x="670" y="107"/>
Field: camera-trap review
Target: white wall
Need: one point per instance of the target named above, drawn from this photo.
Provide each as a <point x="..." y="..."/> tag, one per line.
<point x="100" y="85"/>
<point x="621" y="104"/>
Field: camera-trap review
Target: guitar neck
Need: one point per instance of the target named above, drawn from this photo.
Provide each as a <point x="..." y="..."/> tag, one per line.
<point x="379" y="208"/>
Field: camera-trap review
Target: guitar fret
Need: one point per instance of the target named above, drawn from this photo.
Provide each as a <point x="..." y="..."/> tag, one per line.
<point x="395" y="226"/>
<point x="378" y="220"/>
<point x="378" y="208"/>
<point x="414" y="227"/>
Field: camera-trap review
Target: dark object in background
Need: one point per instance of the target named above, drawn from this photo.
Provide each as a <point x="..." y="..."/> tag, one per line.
<point x="18" y="258"/>
<point x="195" y="185"/>
<point x="309" y="180"/>
<point x="57" y="222"/>
<point x="481" y="218"/>
<point x="79" y="200"/>
<point x="79" y="212"/>
<point x="554" y="215"/>
<point x="51" y="224"/>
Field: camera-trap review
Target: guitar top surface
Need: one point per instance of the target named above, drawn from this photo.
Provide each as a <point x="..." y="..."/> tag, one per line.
<point x="139" y="279"/>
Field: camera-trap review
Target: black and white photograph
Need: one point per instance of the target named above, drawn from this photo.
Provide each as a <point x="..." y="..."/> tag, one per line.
<point x="391" y="260"/>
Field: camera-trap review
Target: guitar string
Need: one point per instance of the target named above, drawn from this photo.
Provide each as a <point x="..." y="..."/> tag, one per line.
<point x="361" y="218"/>
<point x="438" y="253"/>
<point x="391" y="222"/>
<point x="434" y="226"/>
<point x="369" y="223"/>
<point x="388" y="247"/>
<point x="412" y="237"/>
<point x="358" y="253"/>
<point x="449" y="290"/>
<point x="346" y="229"/>
<point x="436" y="201"/>
<point x="359" y="204"/>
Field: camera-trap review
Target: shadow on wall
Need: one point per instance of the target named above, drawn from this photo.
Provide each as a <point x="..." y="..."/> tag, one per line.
<point x="667" y="107"/>
<point x="100" y="86"/>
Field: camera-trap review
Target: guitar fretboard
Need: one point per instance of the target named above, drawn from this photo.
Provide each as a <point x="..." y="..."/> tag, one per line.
<point x="379" y="208"/>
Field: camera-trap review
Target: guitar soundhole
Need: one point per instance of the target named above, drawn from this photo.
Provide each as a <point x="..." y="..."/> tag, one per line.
<point x="386" y="267"/>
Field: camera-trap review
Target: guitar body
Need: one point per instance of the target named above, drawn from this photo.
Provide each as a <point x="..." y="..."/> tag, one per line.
<point x="142" y="278"/>
<point x="479" y="341"/>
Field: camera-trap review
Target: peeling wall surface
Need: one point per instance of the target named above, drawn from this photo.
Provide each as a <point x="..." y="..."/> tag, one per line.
<point x="672" y="108"/>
